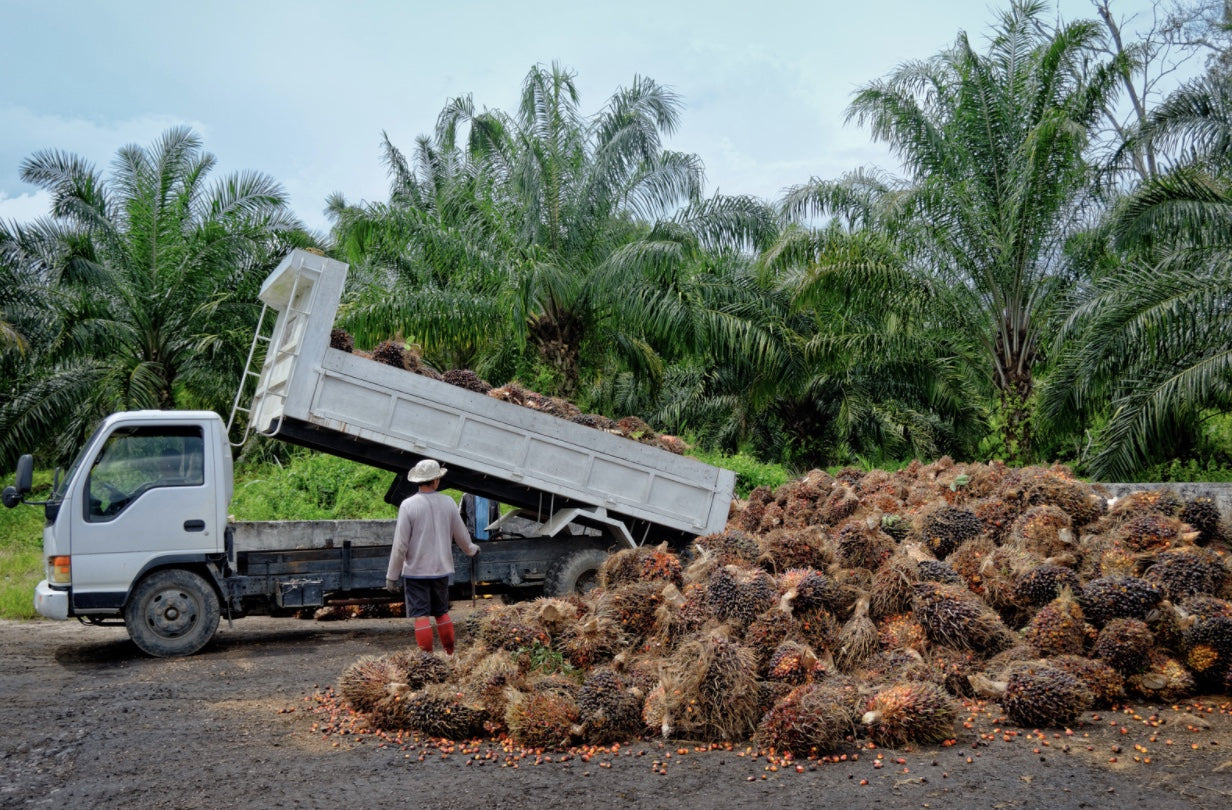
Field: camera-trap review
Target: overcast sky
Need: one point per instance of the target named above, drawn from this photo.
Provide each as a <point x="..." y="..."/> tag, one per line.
<point x="303" y="90"/>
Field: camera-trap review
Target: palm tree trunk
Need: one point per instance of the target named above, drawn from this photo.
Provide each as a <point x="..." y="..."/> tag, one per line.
<point x="558" y="341"/>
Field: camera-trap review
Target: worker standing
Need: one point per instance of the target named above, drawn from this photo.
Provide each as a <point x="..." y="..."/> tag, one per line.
<point x="478" y="513"/>
<point x="421" y="561"/>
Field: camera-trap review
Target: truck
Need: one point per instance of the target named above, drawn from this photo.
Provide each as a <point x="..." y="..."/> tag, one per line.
<point x="137" y="529"/>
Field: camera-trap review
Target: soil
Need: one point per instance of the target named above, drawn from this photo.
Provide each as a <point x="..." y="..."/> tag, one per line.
<point x="251" y="720"/>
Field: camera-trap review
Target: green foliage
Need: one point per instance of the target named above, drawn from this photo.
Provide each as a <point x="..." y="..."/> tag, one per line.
<point x="311" y="486"/>
<point x="548" y="661"/>
<point x="21" y="551"/>
<point x="750" y="473"/>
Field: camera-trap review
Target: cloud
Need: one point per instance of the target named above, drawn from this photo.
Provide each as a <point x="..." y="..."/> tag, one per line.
<point x="24" y="207"/>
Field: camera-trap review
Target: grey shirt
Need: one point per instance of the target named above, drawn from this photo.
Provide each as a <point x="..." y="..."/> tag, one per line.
<point x="427" y="521"/>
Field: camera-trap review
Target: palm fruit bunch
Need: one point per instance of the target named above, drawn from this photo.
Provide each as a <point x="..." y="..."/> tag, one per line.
<point x="857" y="640"/>
<point x="1153" y="532"/>
<point x="887" y="667"/>
<point x="944" y="528"/>
<point x="784" y="549"/>
<point x="366" y="682"/>
<point x="728" y="548"/>
<point x="1124" y="644"/>
<point x="798" y="500"/>
<point x="808" y="720"/>
<point x="1160" y="501"/>
<point x="1042" y="696"/>
<point x="390" y="353"/>
<point x="890" y="592"/>
<point x="542" y="718"/>
<point x="1203" y="516"/>
<point x="954" y="668"/>
<point x="939" y="571"/>
<point x="953" y="615"/>
<point x="1106" y="685"/>
<point x="633" y="606"/>
<point x="1163" y="679"/>
<point x="1208" y="649"/>
<point x="1105" y="556"/>
<point x="1109" y="598"/>
<point x="996" y="516"/>
<point x="418" y="668"/>
<point x="342" y="341"/>
<point x="803" y="590"/>
<point x="900" y="631"/>
<point x="1044" y="583"/>
<point x="555" y="615"/>
<point x="508" y="629"/>
<point x="1044" y="529"/>
<point x="766" y="633"/>
<point x="621" y="567"/>
<point x="681" y="614"/>
<point x="1206" y="607"/>
<point x="490" y="677"/>
<point x="861" y="545"/>
<point x="840" y="504"/>
<point x="438" y="710"/>
<point x="969" y="561"/>
<point x="910" y="712"/>
<point x="740" y="595"/>
<point x="594" y="420"/>
<point x="710" y="689"/>
<point x="608" y="711"/>
<point x="1078" y="500"/>
<point x="465" y="378"/>
<point x="793" y="663"/>
<point x="633" y="427"/>
<point x="593" y="639"/>
<point x="749" y="518"/>
<point x="1187" y="572"/>
<point x="1058" y="628"/>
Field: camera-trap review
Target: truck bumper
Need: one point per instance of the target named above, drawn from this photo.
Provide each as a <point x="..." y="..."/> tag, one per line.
<point x="50" y="602"/>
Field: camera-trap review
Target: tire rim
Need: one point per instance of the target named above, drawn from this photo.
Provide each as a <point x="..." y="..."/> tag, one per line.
<point x="171" y="612"/>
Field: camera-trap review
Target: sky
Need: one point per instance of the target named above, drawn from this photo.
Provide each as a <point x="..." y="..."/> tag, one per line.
<point x="302" y="91"/>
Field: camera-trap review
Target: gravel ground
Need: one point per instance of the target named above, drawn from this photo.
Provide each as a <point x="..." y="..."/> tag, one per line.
<point x="90" y="721"/>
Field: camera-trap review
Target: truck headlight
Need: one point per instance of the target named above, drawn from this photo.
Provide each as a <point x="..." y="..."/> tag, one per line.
<point x="59" y="571"/>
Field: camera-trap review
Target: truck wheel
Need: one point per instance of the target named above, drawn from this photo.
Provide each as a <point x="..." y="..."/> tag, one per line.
<point x="575" y="572"/>
<point x="172" y="612"/>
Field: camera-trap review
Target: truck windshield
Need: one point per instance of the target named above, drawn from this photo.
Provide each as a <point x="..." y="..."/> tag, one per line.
<point x="62" y="490"/>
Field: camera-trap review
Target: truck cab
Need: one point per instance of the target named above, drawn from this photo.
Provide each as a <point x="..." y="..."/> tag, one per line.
<point x="136" y="530"/>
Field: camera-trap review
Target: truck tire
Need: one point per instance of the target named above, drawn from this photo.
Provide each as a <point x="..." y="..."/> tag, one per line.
<point x="172" y="612"/>
<point x="575" y="572"/>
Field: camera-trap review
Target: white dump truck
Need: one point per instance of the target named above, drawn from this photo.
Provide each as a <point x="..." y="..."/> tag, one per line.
<point x="137" y="528"/>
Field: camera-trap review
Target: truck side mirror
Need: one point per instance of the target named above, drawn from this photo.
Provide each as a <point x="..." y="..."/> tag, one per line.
<point x="25" y="480"/>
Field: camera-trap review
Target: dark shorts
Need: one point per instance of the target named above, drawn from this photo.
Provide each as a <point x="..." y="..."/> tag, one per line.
<point x="426" y="597"/>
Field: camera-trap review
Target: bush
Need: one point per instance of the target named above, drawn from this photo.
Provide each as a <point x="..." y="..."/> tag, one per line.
<point x="750" y="473"/>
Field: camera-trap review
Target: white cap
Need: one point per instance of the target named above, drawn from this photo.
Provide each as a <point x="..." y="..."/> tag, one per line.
<point x="426" y="470"/>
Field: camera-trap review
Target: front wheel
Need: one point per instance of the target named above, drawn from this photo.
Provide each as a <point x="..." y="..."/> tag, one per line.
<point x="172" y="612"/>
<point x="575" y="572"/>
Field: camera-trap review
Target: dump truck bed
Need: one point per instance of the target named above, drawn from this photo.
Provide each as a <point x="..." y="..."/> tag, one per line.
<point x="348" y="405"/>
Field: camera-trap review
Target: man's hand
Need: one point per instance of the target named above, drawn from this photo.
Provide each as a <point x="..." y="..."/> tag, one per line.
<point x="393" y="586"/>
<point x="475" y="556"/>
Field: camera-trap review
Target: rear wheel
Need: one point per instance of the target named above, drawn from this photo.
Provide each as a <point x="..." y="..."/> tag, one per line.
<point x="172" y="612"/>
<point x="575" y="572"/>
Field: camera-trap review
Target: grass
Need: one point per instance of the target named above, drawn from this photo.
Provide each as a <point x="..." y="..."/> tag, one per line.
<point x="21" y="552"/>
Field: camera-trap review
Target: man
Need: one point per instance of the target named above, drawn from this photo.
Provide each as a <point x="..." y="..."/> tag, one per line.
<point x="421" y="558"/>
<point x="478" y="513"/>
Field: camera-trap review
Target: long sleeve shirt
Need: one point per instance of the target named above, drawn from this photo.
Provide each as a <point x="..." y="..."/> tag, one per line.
<point x="427" y="521"/>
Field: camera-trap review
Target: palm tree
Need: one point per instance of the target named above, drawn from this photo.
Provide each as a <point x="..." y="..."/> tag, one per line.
<point x="152" y="276"/>
<point x="516" y="231"/>
<point x="1153" y="339"/>
<point x="993" y="146"/>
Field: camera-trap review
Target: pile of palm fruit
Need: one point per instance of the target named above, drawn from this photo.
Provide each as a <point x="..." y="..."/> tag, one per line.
<point x="408" y="358"/>
<point x="866" y="604"/>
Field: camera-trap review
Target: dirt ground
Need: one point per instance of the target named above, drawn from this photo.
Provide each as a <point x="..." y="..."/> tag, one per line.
<point x="90" y="721"/>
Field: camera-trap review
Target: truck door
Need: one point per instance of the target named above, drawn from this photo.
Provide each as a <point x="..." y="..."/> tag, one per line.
<point x="148" y="494"/>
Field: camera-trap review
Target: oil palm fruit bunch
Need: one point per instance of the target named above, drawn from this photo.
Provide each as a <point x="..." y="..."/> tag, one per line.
<point x="1109" y="598"/>
<point x="367" y="681"/>
<point x="808" y="720"/>
<point x="1058" y="628"/>
<point x="1124" y="644"/>
<point x="953" y="615"/>
<point x="1189" y="571"/>
<point x="910" y="712"/>
<point x="1042" y="696"/>
<point x="943" y="528"/>
<point x="1044" y="583"/>
<point x="1202" y="514"/>
<point x="1106" y="685"/>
